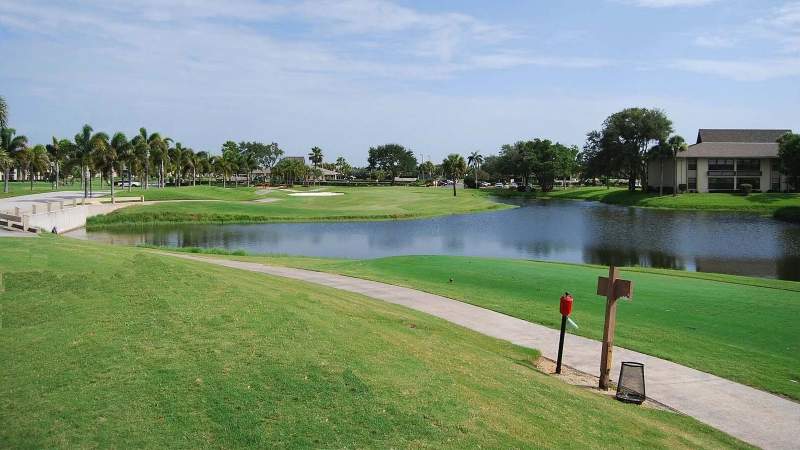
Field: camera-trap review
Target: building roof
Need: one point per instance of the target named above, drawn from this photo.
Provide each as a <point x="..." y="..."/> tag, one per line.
<point x="731" y="150"/>
<point x="706" y="135"/>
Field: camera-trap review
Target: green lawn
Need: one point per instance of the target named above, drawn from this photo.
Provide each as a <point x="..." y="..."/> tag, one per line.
<point x="130" y="349"/>
<point x="740" y="328"/>
<point x="17" y="188"/>
<point x="202" y="192"/>
<point x="362" y="203"/>
<point x="762" y="203"/>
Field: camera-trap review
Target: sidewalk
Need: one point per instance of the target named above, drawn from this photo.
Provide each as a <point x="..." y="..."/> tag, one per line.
<point x="754" y="416"/>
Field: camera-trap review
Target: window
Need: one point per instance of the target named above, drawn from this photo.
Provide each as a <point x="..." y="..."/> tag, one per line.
<point x="748" y="164"/>
<point x="775" y="175"/>
<point x="720" y="183"/>
<point x="720" y="165"/>
<point x="692" y="163"/>
<point x="752" y="181"/>
<point x="692" y="185"/>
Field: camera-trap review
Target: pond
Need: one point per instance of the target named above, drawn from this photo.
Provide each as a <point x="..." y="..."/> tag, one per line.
<point x="571" y="231"/>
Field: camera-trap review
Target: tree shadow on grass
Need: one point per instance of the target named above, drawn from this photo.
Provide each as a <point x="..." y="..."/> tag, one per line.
<point x="767" y="198"/>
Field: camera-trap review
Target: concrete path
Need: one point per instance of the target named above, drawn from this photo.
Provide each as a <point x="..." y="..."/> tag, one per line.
<point x="754" y="416"/>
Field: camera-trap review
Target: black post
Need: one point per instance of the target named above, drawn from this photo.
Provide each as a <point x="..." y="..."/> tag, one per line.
<point x="561" y="343"/>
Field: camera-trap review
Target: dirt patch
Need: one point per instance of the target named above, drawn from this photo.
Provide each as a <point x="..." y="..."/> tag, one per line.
<point x="588" y="381"/>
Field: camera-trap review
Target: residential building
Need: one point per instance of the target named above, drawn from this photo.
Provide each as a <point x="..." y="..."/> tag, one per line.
<point x="721" y="161"/>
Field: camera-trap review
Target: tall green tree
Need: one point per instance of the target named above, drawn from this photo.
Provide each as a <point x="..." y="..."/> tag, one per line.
<point x="34" y="160"/>
<point x="85" y="143"/>
<point x="180" y="158"/>
<point x="455" y="167"/>
<point x="58" y="151"/>
<point x="474" y="160"/>
<point x="392" y="158"/>
<point x="315" y="156"/>
<point x="343" y="167"/>
<point x="10" y="144"/>
<point x="676" y="145"/>
<point x="626" y="139"/>
<point x="789" y="154"/>
<point x="106" y="157"/>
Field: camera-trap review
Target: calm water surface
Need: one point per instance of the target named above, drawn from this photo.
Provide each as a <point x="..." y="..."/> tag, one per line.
<point x="572" y="231"/>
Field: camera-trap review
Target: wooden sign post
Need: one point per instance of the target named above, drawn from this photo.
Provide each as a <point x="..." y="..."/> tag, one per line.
<point x="613" y="288"/>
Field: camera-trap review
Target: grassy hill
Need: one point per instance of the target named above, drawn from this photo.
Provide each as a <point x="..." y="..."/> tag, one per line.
<point x="117" y="347"/>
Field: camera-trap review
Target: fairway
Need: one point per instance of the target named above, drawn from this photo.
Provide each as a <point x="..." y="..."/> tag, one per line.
<point x="743" y="329"/>
<point x="117" y="347"/>
<point x="361" y="203"/>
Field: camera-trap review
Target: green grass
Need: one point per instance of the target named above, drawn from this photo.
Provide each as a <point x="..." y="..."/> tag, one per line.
<point x="17" y="188"/>
<point x="130" y="349"/>
<point x="740" y="328"/>
<point x="364" y="203"/>
<point x="760" y="203"/>
<point x="192" y="193"/>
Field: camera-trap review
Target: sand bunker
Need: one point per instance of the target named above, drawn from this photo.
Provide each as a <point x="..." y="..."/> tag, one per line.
<point x="316" y="194"/>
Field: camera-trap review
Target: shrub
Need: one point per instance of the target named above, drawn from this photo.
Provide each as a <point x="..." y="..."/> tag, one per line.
<point x="746" y="188"/>
<point x="681" y="188"/>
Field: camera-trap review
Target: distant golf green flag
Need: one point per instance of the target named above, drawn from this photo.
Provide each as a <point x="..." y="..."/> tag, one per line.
<point x="572" y="323"/>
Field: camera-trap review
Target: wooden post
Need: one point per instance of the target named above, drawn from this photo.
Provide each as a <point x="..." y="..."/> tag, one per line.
<point x="613" y="288"/>
<point x="606" y="356"/>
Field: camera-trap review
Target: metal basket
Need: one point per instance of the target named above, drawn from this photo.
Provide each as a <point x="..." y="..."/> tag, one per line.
<point x="630" y="386"/>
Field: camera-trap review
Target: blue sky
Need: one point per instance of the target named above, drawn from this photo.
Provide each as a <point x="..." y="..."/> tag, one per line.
<point x="438" y="77"/>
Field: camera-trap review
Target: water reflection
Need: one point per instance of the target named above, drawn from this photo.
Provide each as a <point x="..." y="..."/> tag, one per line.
<point x="552" y="230"/>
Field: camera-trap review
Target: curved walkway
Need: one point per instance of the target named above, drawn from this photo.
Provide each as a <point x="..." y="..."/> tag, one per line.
<point x="749" y="414"/>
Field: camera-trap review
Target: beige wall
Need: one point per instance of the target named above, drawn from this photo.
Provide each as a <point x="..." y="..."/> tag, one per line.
<point x="702" y="175"/>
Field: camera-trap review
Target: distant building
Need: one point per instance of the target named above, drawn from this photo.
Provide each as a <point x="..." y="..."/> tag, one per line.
<point x="302" y="159"/>
<point x="723" y="160"/>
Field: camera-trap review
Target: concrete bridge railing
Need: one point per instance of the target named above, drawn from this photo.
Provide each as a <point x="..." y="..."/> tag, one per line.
<point x="56" y="216"/>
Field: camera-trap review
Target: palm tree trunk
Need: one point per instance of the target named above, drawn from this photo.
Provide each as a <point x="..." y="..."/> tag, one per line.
<point x="30" y="175"/>
<point x="111" y="183"/>
<point x="5" y="181"/>
<point x="675" y="176"/>
<point x="57" y="173"/>
<point x="84" y="176"/>
<point x="146" y="177"/>
<point x="661" y="173"/>
<point x="454" y="186"/>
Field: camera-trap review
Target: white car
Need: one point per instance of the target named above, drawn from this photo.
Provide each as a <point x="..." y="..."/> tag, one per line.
<point x="498" y="185"/>
<point x="132" y="184"/>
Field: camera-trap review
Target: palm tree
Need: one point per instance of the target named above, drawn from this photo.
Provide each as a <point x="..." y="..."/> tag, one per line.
<point x="3" y="113"/>
<point x="58" y="151"/>
<point x="676" y="145"/>
<point x="179" y="157"/>
<point x="248" y="162"/>
<point x="141" y="145"/>
<point x="203" y="164"/>
<point x="199" y="161"/>
<point x="106" y="156"/>
<point x="315" y="157"/>
<point x="6" y="163"/>
<point x="85" y="143"/>
<point x="224" y="166"/>
<point x="39" y="161"/>
<point x="475" y="160"/>
<point x="159" y="147"/>
<point x="10" y="144"/>
<point x="454" y="166"/>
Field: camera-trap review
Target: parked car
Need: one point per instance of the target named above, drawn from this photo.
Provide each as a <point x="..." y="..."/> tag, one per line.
<point x="132" y="183"/>
<point x="498" y="185"/>
<point x="485" y="184"/>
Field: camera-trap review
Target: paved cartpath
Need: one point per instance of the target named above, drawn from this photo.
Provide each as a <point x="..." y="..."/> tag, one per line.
<point x="751" y="415"/>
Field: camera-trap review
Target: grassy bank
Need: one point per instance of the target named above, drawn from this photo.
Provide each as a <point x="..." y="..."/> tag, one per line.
<point x="192" y="193"/>
<point x="366" y="203"/>
<point x="740" y="328"/>
<point x="130" y="349"/>
<point x="760" y="203"/>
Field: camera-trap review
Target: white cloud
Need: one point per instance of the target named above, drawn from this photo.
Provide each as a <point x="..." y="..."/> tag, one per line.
<point x="714" y="41"/>
<point x="742" y="70"/>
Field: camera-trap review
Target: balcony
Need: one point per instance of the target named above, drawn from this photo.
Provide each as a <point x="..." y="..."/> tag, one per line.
<point x="734" y="173"/>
